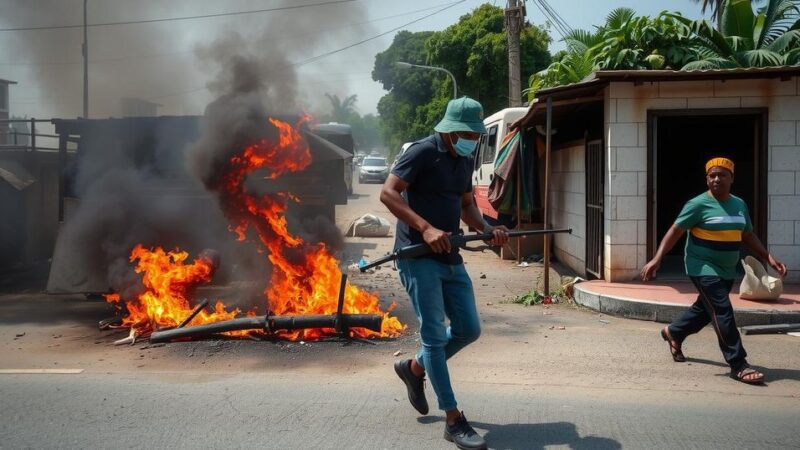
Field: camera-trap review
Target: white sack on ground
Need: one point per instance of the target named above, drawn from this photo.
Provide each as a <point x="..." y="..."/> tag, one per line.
<point x="369" y="225"/>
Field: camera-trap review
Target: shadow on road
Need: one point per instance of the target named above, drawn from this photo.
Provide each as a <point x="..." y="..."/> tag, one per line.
<point x="771" y="374"/>
<point x="356" y="196"/>
<point x="530" y="436"/>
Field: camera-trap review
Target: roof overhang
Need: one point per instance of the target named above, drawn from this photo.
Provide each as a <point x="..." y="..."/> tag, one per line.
<point x="591" y="88"/>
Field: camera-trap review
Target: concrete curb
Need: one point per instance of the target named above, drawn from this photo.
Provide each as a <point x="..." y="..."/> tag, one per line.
<point x="667" y="312"/>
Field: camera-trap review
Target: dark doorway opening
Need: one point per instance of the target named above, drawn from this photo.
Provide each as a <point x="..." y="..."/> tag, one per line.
<point x="680" y="144"/>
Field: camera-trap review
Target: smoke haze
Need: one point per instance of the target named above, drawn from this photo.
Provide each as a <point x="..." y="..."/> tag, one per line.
<point x="146" y="192"/>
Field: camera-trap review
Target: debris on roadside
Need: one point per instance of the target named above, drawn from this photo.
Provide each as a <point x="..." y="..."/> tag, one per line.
<point x="397" y="353"/>
<point x="604" y="321"/>
<point x="19" y="335"/>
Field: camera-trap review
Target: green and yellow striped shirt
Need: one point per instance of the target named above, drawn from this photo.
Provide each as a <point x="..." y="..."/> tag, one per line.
<point x="714" y="234"/>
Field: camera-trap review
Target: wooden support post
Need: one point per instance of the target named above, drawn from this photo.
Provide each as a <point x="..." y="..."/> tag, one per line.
<point x="33" y="135"/>
<point x="62" y="181"/>
<point x="546" y="225"/>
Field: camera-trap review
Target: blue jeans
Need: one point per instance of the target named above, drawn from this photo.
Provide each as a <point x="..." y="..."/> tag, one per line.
<point x="438" y="292"/>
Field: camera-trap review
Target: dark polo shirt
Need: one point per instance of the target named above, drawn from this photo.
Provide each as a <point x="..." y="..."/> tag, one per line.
<point x="436" y="182"/>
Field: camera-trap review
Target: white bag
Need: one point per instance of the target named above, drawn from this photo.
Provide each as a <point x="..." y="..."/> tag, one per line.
<point x="757" y="284"/>
<point x="369" y="225"/>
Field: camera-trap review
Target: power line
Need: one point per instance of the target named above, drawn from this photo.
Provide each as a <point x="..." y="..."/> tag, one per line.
<point x="555" y="14"/>
<point x="560" y="28"/>
<point x="164" y="55"/>
<point x="170" y="19"/>
<point x="324" y="55"/>
<point x="315" y="58"/>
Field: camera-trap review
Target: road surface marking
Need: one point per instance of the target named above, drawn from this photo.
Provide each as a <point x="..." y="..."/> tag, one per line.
<point x="38" y="371"/>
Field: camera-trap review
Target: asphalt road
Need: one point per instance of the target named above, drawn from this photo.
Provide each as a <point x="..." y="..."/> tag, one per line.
<point x="557" y="377"/>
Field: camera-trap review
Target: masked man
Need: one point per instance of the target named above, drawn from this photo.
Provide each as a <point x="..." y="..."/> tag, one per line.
<point x="430" y="192"/>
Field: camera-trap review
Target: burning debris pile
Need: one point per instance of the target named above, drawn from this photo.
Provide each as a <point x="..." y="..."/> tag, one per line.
<point x="307" y="294"/>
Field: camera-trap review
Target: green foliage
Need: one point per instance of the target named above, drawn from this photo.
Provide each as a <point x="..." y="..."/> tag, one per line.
<point x="746" y="38"/>
<point x="623" y="42"/>
<point x="342" y="110"/>
<point x="529" y="298"/>
<point x="365" y="128"/>
<point x="474" y="49"/>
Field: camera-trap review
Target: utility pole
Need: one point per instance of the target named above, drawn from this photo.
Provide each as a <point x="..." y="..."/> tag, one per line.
<point x="515" y="18"/>
<point x="85" y="65"/>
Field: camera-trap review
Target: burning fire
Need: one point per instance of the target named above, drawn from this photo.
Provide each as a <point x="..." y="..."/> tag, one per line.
<point x="305" y="276"/>
<point x="169" y="283"/>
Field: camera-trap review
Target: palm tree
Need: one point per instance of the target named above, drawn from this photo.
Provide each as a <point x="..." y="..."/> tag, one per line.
<point x="745" y="38"/>
<point x="715" y="6"/>
<point x="342" y="110"/>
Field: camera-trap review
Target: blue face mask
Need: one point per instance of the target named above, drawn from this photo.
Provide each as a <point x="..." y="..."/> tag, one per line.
<point x="465" y="147"/>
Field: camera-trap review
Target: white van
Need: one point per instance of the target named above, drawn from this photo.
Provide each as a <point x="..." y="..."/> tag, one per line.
<point x="496" y="130"/>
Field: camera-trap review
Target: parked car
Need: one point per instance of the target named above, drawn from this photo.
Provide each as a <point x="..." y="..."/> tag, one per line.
<point x="373" y="168"/>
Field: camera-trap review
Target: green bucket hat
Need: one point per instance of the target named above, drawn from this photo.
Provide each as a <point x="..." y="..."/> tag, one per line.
<point x="463" y="114"/>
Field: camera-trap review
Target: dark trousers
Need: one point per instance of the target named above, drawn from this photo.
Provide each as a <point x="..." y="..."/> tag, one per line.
<point x="713" y="305"/>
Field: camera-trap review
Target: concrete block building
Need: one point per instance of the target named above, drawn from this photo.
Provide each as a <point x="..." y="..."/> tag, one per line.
<point x="629" y="149"/>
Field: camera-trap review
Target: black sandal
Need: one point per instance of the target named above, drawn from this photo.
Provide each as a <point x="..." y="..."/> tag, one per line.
<point x="746" y="371"/>
<point x="674" y="347"/>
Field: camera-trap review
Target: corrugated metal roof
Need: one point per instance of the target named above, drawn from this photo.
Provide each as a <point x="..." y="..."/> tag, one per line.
<point x="602" y="77"/>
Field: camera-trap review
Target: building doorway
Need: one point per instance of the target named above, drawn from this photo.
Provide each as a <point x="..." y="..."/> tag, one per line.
<point x="680" y="143"/>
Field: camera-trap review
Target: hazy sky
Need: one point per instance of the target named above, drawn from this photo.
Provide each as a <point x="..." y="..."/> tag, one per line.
<point x="158" y="61"/>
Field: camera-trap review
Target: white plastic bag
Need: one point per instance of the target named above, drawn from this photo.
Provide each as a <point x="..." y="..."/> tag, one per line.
<point x="757" y="284"/>
<point x="369" y="225"/>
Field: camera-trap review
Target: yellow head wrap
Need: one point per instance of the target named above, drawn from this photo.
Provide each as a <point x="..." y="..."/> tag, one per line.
<point x="725" y="163"/>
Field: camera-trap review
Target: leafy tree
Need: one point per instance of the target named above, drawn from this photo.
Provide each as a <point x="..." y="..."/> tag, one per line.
<point x="715" y="7"/>
<point x="365" y="128"/>
<point x="366" y="132"/>
<point x="474" y="49"/>
<point x="342" y="110"/>
<point x="408" y="89"/>
<point x="630" y="42"/>
<point x="624" y="42"/>
<point x="769" y="37"/>
<point x="570" y="66"/>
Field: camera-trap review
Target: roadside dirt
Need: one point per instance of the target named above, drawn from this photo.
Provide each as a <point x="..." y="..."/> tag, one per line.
<point x="46" y="331"/>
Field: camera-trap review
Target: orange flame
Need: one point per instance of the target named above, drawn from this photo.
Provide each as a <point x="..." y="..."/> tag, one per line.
<point x="168" y="282"/>
<point x="305" y="277"/>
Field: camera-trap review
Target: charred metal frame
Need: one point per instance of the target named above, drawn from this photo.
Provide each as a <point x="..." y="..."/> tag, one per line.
<point x="340" y="322"/>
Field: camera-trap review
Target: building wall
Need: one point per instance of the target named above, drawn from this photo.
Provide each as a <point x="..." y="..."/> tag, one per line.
<point x="626" y="107"/>
<point x="568" y="200"/>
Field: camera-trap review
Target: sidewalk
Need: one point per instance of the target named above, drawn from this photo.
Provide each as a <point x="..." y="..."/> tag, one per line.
<point x="665" y="301"/>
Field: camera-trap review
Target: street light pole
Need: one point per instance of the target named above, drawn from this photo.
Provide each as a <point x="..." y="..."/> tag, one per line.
<point x="85" y="65"/>
<point x="406" y="65"/>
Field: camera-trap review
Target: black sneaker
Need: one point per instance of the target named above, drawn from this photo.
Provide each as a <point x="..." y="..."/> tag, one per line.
<point x="414" y="384"/>
<point x="463" y="435"/>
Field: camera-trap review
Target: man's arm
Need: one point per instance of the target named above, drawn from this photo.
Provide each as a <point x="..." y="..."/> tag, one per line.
<point x="670" y="239"/>
<point x="472" y="216"/>
<point x="751" y="241"/>
<point x="437" y="239"/>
